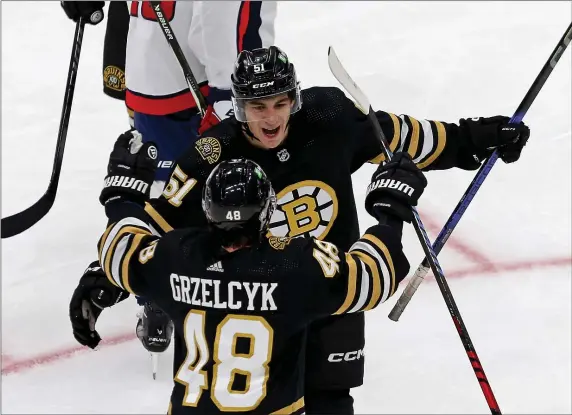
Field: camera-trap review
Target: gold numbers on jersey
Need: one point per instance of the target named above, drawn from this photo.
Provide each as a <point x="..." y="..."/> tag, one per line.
<point x="147" y="253"/>
<point x="326" y="254"/>
<point x="251" y="365"/>
<point x="178" y="187"/>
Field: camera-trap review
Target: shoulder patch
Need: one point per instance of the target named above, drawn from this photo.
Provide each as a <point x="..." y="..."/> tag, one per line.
<point x="209" y="148"/>
<point x="114" y="78"/>
<point x="279" y="242"/>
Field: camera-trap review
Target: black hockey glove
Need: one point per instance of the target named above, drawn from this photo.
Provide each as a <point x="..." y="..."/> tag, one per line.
<point x="91" y="11"/>
<point x="130" y="171"/>
<point x="488" y="134"/>
<point x="394" y="188"/>
<point x="93" y="293"/>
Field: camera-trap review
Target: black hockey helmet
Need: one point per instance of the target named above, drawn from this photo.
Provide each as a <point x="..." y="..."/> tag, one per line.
<point x="262" y="73"/>
<point x="239" y="199"/>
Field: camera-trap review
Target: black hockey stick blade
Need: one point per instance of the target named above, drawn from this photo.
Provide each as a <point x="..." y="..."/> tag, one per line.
<point x="18" y="223"/>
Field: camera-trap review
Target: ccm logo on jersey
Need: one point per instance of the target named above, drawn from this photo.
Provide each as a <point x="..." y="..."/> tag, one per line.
<point x="347" y="357"/>
<point x="262" y="85"/>
<point x="122" y="181"/>
<point x="391" y="184"/>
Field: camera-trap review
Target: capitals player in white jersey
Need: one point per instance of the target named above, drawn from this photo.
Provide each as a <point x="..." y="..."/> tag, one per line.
<point x="149" y="77"/>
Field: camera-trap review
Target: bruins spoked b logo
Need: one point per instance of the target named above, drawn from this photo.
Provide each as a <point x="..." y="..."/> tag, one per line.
<point x="306" y="208"/>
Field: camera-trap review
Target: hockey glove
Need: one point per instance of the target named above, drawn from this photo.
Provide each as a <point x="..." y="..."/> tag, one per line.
<point x="91" y="11"/>
<point x="92" y="295"/>
<point x="219" y="108"/>
<point x="488" y="134"/>
<point x="395" y="187"/>
<point x="131" y="170"/>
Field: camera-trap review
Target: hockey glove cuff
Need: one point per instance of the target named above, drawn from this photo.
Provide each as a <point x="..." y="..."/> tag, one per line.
<point x="130" y="171"/>
<point x="395" y="187"/>
<point x="487" y="134"/>
<point x="93" y="293"/>
<point x="90" y="11"/>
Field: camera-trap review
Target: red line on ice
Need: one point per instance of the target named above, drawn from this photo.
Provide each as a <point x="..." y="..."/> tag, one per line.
<point x="456" y="243"/>
<point x="12" y="366"/>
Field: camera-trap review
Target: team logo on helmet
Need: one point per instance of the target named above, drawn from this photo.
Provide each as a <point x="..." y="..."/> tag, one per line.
<point x="209" y="148"/>
<point x="306" y="208"/>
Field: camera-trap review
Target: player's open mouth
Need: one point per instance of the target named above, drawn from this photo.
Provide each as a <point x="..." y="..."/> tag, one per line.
<point x="271" y="133"/>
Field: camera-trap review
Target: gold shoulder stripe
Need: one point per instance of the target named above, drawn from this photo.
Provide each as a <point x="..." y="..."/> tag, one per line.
<point x="352" y="278"/>
<point x="287" y="410"/>
<point x="441" y="141"/>
<point x="103" y="239"/>
<point x="125" y="264"/>
<point x="111" y="250"/>
<point x="159" y="220"/>
<point x="376" y="290"/>
<point x="414" y="142"/>
<point x="381" y="246"/>
<point x="394" y="141"/>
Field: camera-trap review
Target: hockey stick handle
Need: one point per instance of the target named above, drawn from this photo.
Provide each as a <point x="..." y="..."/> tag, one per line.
<point x="434" y="265"/>
<point x="19" y="222"/>
<point x="480" y="177"/>
<point x="174" y="44"/>
<point x="67" y="106"/>
<point x="343" y="77"/>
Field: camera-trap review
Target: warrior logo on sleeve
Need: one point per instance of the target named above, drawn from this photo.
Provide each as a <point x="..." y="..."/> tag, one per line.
<point x="306" y="208"/>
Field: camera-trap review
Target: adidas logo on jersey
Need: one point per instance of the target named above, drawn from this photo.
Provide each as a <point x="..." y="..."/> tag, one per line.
<point x="122" y="181"/>
<point x="391" y="184"/>
<point x="217" y="266"/>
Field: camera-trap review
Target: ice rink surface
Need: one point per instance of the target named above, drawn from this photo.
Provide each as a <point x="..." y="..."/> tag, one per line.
<point x="508" y="262"/>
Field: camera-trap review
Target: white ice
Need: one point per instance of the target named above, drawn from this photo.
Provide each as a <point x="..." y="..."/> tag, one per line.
<point x="435" y="60"/>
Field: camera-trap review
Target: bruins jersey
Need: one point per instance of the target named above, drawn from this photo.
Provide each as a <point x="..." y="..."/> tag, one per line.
<point x="328" y="140"/>
<point x="240" y="318"/>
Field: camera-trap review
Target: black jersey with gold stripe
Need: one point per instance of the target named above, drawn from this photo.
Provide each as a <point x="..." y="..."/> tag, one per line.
<point x="328" y="140"/>
<point x="240" y="318"/>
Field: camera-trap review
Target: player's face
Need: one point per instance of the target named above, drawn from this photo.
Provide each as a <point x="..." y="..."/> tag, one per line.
<point x="268" y="119"/>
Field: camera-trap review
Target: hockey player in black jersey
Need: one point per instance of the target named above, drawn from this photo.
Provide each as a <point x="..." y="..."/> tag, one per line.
<point x="309" y="142"/>
<point x="240" y="300"/>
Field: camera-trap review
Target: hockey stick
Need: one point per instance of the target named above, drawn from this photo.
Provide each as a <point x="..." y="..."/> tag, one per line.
<point x="174" y="44"/>
<point x="18" y="223"/>
<point x="480" y="177"/>
<point x="343" y="78"/>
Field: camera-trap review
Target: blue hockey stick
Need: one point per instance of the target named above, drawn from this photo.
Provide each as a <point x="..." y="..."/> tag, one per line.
<point x="362" y="101"/>
<point x="480" y="177"/>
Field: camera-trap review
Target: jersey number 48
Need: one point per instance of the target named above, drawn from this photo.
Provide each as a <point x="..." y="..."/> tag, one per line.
<point x="228" y="362"/>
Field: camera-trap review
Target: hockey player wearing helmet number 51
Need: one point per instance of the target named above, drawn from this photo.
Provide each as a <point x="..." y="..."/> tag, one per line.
<point x="309" y="142"/>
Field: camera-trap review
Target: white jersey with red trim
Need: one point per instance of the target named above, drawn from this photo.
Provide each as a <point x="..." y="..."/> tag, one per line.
<point x="210" y="33"/>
